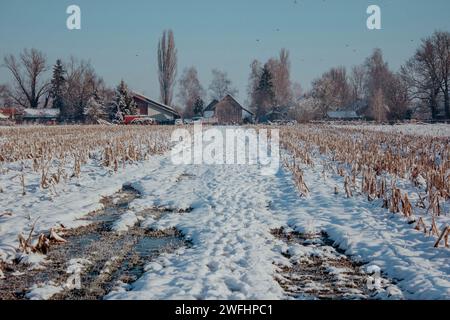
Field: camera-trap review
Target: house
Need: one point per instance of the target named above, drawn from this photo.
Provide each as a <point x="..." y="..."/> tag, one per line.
<point x="41" y="116"/>
<point x="155" y="110"/>
<point x="343" y="115"/>
<point x="227" y="111"/>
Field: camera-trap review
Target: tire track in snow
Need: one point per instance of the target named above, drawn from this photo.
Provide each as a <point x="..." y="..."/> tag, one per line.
<point x="233" y="251"/>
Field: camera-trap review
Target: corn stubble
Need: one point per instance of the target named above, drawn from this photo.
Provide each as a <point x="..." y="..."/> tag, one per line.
<point x="377" y="160"/>
<point x="58" y="154"/>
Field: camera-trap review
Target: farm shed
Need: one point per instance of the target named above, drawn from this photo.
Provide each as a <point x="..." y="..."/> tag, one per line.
<point x="342" y="115"/>
<point x="42" y="116"/>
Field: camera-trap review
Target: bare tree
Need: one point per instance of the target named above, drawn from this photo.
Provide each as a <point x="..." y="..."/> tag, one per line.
<point x="220" y="85"/>
<point x="425" y="72"/>
<point x="332" y="90"/>
<point x="167" y="66"/>
<point x="378" y="108"/>
<point x="441" y="41"/>
<point x="5" y="99"/>
<point x="191" y="93"/>
<point x="297" y="91"/>
<point x="397" y="97"/>
<point x="280" y="71"/>
<point x="377" y="72"/>
<point x="28" y="71"/>
<point x="357" y="79"/>
<point x="305" y="109"/>
<point x="82" y="83"/>
<point x="384" y="83"/>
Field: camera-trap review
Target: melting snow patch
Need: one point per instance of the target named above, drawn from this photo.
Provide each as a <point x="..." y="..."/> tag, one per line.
<point x="77" y="265"/>
<point x="36" y="261"/>
<point x="43" y="291"/>
<point x="126" y="221"/>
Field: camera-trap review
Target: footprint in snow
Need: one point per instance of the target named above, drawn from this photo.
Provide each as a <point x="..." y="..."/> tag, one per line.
<point x="213" y="266"/>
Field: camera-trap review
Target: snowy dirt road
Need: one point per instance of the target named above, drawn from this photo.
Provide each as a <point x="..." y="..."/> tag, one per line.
<point x="234" y="253"/>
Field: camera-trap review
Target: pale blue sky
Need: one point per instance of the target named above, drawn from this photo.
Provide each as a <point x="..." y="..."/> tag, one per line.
<point x="120" y="37"/>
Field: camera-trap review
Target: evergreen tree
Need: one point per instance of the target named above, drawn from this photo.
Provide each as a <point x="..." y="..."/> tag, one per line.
<point x="58" y="84"/>
<point x="264" y="93"/>
<point x="95" y="108"/>
<point x="123" y="103"/>
<point x="198" y="106"/>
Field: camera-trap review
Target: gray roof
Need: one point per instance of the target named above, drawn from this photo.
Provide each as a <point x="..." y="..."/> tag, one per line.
<point x="210" y="107"/>
<point x="342" y="114"/>
<point x="41" y="113"/>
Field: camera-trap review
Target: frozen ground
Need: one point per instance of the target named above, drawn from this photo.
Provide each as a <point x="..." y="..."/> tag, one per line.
<point x="234" y="254"/>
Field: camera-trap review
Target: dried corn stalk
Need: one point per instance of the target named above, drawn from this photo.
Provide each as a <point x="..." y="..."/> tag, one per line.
<point x="444" y="234"/>
<point x="347" y="187"/>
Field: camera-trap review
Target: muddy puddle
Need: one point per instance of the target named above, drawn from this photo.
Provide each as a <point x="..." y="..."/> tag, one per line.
<point x="319" y="270"/>
<point x="102" y="259"/>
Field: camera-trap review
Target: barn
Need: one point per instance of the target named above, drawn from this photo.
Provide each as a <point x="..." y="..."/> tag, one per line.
<point x="343" y="115"/>
<point x="154" y="109"/>
<point x="40" y="116"/>
<point x="227" y="111"/>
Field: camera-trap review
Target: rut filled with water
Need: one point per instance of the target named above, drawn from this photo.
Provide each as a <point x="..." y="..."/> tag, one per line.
<point x="101" y="258"/>
<point x="318" y="269"/>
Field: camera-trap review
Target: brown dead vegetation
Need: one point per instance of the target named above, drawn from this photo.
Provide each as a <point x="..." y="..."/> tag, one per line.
<point x="59" y="153"/>
<point x="373" y="158"/>
<point x="42" y="244"/>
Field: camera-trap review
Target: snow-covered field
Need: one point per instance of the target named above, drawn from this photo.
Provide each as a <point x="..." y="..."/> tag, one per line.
<point x="228" y="214"/>
<point x="421" y="129"/>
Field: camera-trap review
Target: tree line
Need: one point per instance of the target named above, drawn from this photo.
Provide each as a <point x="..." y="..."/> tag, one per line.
<point x="81" y="94"/>
<point x="74" y="88"/>
<point x="419" y="89"/>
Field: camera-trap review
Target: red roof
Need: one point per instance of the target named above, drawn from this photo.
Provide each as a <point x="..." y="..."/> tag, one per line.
<point x="11" y="111"/>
